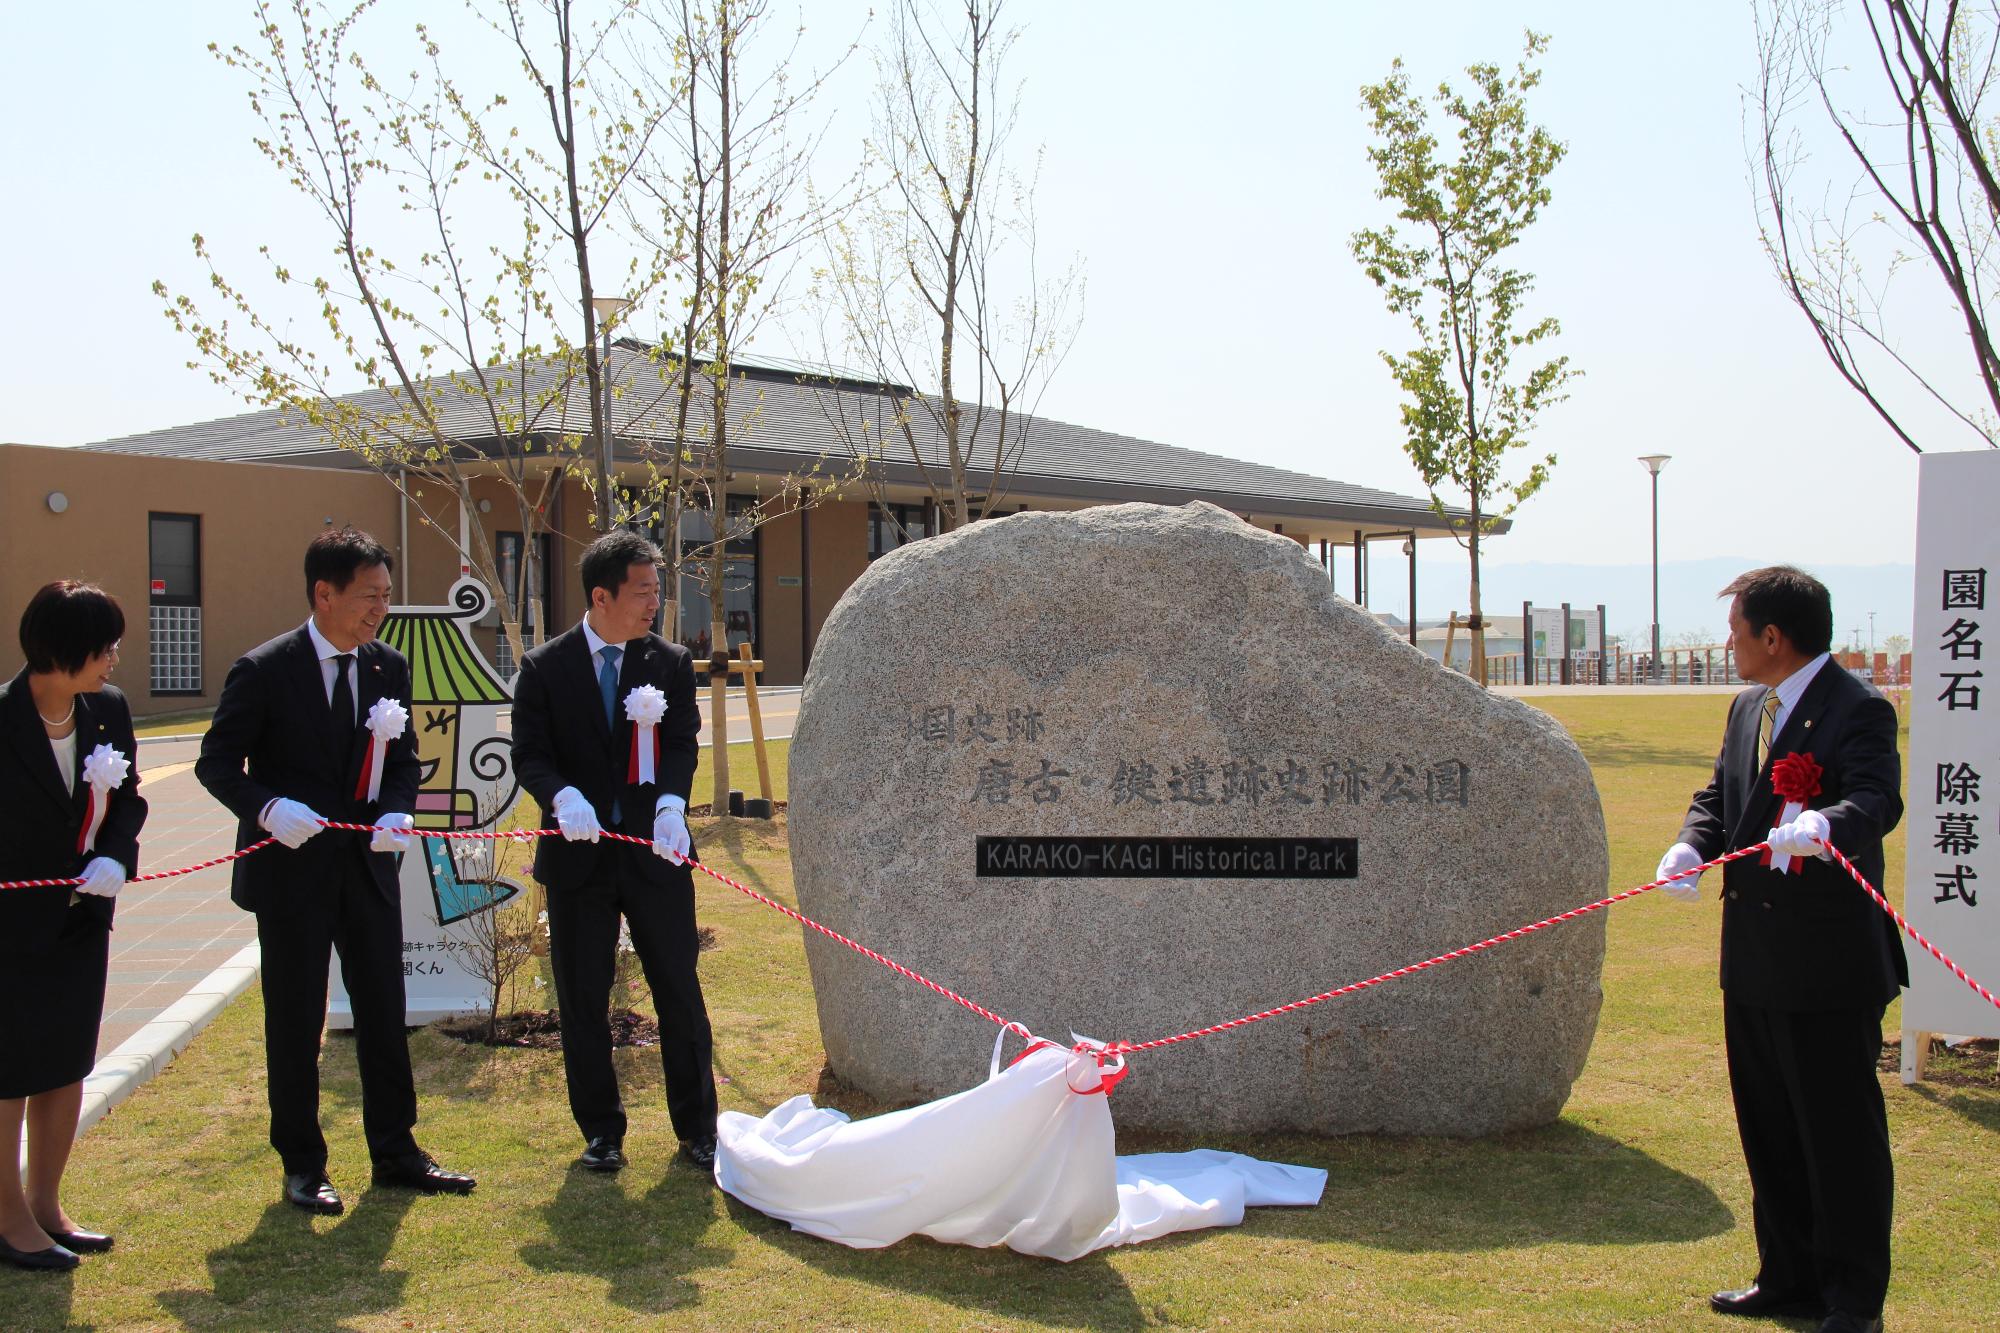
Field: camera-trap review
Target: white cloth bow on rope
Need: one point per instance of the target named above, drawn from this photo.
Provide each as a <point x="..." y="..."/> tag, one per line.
<point x="1046" y="1179"/>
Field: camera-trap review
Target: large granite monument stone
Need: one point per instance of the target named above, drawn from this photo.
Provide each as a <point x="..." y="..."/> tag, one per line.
<point x="1135" y="770"/>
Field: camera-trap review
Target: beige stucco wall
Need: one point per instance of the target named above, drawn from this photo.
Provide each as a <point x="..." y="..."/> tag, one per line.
<point x="256" y="521"/>
<point x="258" y="517"/>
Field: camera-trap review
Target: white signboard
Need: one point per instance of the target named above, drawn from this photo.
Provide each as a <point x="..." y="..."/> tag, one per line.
<point x="1952" y="888"/>
<point x="1546" y="634"/>
<point x="467" y="783"/>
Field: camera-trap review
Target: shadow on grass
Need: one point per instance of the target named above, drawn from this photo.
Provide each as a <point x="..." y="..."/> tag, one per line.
<point x="288" y="1274"/>
<point x="643" y="1248"/>
<point x="35" y="1301"/>
<point x="739" y="837"/>
<point x="1088" y="1293"/>
<point x="443" y="1066"/>
<point x="1559" y="1184"/>
<point x="1982" y="1109"/>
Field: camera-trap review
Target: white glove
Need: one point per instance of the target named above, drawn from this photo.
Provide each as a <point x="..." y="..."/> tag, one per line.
<point x="670" y="831"/>
<point x="575" y="818"/>
<point x="103" y="877"/>
<point x="1803" y="836"/>
<point x="289" y="822"/>
<point x="1680" y="858"/>
<point x="386" y="841"/>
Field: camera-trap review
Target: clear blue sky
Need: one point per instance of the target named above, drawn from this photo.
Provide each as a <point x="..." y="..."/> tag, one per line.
<point x="1209" y="167"/>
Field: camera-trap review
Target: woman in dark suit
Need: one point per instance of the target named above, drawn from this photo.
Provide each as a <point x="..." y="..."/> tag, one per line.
<point x="59" y="721"/>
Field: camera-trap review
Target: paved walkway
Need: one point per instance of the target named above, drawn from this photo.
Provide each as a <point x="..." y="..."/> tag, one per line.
<point x="171" y="933"/>
<point x="778" y="705"/>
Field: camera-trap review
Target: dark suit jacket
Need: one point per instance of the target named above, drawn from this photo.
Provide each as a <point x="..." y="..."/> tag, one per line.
<point x="561" y="740"/>
<point x="39" y="830"/>
<point x="273" y="736"/>
<point x="1811" y="939"/>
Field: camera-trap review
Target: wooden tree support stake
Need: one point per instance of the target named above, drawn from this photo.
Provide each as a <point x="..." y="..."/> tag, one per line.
<point x="720" y="668"/>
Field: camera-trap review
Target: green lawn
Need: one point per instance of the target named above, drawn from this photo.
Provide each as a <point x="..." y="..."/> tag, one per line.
<point x="743" y="770"/>
<point x="1624" y="1214"/>
<point x="174" y="724"/>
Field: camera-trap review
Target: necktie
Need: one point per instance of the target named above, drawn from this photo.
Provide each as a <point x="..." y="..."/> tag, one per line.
<point x="1765" y="726"/>
<point x="343" y="702"/>
<point x="607" y="681"/>
<point x="607" y="685"/>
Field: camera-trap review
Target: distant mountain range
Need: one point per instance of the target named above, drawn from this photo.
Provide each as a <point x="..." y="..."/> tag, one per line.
<point x="1687" y="593"/>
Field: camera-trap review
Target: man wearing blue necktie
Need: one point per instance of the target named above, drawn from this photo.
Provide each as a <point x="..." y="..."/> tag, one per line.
<point x="1808" y="960"/>
<point x="577" y="751"/>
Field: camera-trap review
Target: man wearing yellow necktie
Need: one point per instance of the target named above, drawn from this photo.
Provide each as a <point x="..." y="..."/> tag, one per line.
<point x="1808" y="960"/>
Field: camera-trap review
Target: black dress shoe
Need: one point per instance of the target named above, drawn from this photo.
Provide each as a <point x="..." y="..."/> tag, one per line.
<point x="83" y="1242"/>
<point x="55" y="1259"/>
<point x="313" y="1192"/>
<point x="420" y="1171"/>
<point x="699" y="1152"/>
<point x="1842" y="1322"/>
<point x="603" y="1153"/>
<point x="1754" y="1300"/>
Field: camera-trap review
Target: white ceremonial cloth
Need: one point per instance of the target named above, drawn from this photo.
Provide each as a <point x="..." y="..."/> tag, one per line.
<point x="1020" y="1160"/>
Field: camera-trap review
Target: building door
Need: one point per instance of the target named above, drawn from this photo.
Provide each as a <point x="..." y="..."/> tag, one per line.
<point x="173" y="619"/>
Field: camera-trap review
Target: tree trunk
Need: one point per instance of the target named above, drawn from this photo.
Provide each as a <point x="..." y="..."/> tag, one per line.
<point x="718" y="725"/>
<point x="1478" y="620"/>
<point x="670" y="534"/>
<point x="511" y="629"/>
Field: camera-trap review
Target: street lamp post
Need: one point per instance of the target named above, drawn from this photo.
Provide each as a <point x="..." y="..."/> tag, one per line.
<point x="607" y="308"/>
<point x="1654" y="462"/>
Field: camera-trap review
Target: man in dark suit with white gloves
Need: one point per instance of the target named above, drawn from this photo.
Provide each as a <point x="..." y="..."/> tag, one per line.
<point x="1808" y="960"/>
<point x="605" y="736"/>
<point x="294" y="739"/>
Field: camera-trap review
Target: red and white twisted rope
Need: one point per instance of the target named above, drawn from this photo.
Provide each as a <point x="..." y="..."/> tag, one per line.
<point x="1118" y="1047"/>
<point x="236" y="855"/>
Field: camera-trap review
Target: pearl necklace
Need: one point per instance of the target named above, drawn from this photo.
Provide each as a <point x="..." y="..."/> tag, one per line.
<point x="62" y="721"/>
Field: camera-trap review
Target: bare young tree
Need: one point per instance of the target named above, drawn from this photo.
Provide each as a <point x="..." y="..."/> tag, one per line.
<point x="725" y="197"/>
<point x="1895" y="92"/>
<point x="494" y="944"/>
<point x="466" y="344"/>
<point x="938" y="288"/>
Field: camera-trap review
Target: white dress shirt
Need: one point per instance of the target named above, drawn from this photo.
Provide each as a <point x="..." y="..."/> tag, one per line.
<point x="598" y="643"/>
<point x="328" y="667"/>
<point x="1789" y="691"/>
<point x="65" y="749"/>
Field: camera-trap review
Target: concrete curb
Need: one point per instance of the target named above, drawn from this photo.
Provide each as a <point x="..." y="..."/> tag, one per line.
<point x="153" y="1047"/>
<point x="161" y="740"/>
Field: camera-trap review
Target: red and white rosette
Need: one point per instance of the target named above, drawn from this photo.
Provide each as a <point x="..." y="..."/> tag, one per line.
<point x="104" y="771"/>
<point x="1795" y="779"/>
<point x="387" y="720"/>
<point x="645" y="706"/>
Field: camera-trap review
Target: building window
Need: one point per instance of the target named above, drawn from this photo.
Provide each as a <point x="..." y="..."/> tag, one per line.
<point x="740" y="603"/>
<point x="527" y="592"/>
<point x="173" y="614"/>
<point x="895" y="525"/>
